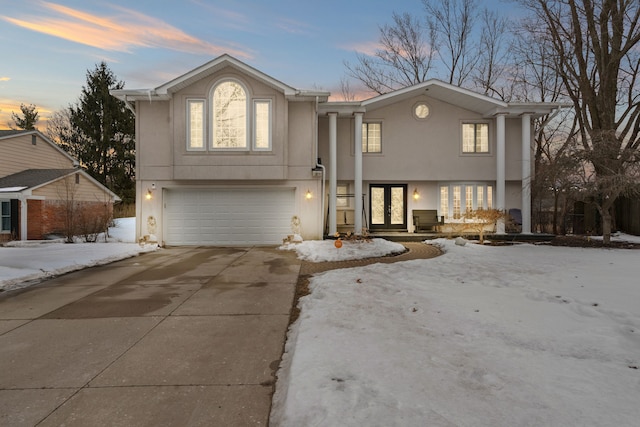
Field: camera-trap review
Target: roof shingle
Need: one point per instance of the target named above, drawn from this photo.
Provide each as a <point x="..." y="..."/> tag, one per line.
<point x="33" y="177"/>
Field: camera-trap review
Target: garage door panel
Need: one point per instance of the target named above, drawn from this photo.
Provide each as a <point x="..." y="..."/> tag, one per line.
<point x="228" y="216"/>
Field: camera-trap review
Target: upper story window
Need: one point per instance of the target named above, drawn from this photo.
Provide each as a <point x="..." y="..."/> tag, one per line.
<point x="262" y="124"/>
<point x="229" y="120"/>
<point x="475" y="138"/>
<point x="421" y="111"/>
<point x="195" y="124"/>
<point x="371" y="138"/>
<point x="229" y="116"/>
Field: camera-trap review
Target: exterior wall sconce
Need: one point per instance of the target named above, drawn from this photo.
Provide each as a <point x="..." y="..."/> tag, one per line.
<point x="308" y="195"/>
<point x="416" y="195"/>
<point x="150" y="191"/>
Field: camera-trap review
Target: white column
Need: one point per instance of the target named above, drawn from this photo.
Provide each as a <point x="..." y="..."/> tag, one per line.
<point x="357" y="179"/>
<point x="23" y="219"/>
<point x="500" y="169"/>
<point x="526" y="173"/>
<point x="333" y="172"/>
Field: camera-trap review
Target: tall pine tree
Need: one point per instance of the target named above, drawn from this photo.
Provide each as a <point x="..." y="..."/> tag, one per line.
<point x="102" y="133"/>
<point x="28" y="119"/>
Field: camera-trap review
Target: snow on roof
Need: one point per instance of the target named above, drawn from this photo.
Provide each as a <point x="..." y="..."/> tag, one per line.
<point x="11" y="189"/>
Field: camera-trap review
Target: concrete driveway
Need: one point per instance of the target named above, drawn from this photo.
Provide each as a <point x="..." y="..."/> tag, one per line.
<point x="179" y="337"/>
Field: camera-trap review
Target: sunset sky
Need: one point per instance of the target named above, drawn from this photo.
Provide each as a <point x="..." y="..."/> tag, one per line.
<point x="48" y="46"/>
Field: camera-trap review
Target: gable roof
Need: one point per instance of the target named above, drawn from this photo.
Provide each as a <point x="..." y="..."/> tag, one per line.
<point x="445" y="92"/>
<point x="164" y="92"/>
<point x="11" y="132"/>
<point x="7" y="134"/>
<point x="32" y="179"/>
<point x="441" y="91"/>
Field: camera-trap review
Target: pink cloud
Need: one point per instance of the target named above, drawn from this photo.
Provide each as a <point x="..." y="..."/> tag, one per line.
<point x="123" y="33"/>
<point x="368" y="48"/>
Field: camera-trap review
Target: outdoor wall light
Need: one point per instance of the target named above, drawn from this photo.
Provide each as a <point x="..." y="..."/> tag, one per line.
<point x="416" y="195"/>
<point x="150" y="191"/>
<point x="308" y="195"/>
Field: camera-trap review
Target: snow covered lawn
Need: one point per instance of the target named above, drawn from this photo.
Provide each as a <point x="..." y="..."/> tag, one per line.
<point x="25" y="262"/>
<point x="519" y="335"/>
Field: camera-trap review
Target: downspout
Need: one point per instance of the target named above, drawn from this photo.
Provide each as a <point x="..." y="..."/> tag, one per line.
<point x="318" y="165"/>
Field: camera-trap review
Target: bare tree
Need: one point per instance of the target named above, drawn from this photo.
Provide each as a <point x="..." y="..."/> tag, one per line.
<point x="452" y="22"/>
<point x="345" y="90"/>
<point x="405" y="56"/>
<point x="59" y="130"/>
<point x="532" y="70"/>
<point x="596" y="54"/>
<point x="490" y="74"/>
<point x="556" y="179"/>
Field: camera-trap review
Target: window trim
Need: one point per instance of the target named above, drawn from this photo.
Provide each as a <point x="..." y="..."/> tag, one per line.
<point x="188" y="103"/>
<point x="415" y="107"/>
<point x="475" y="153"/>
<point x="342" y="199"/>
<point x="367" y="123"/>
<point x="2" y="216"/>
<point x="488" y="190"/>
<point x="254" y="129"/>
<point x="212" y="129"/>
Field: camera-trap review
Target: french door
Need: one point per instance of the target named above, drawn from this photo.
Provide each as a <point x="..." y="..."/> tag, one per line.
<point x="388" y="206"/>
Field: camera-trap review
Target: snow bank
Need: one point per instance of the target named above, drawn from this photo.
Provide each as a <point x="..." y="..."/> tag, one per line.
<point x="519" y="335"/>
<point x="325" y="250"/>
<point x="25" y="262"/>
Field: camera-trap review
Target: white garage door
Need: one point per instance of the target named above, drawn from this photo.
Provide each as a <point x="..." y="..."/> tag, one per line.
<point x="227" y="216"/>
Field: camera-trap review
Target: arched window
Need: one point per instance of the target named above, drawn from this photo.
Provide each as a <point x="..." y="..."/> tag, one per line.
<point x="229" y="116"/>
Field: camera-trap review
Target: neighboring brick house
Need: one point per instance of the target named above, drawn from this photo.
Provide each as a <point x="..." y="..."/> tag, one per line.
<point x="38" y="183"/>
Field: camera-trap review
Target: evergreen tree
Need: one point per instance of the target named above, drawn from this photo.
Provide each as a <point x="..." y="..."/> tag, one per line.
<point x="28" y="119"/>
<point x="102" y="133"/>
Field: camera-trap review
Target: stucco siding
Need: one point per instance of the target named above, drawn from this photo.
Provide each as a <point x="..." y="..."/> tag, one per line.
<point x="302" y="149"/>
<point x="513" y="153"/>
<point x="270" y="163"/>
<point x="420" y="150"/>
<point x="153" y="138"/>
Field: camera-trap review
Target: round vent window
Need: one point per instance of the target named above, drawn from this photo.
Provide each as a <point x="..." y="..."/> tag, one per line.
<point x="421" y="111"/>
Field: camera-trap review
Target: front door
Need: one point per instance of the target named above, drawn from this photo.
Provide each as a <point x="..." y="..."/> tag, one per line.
<point x="388" y="206"/>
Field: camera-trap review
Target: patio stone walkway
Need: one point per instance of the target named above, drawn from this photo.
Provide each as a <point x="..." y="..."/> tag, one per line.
<point x="415" y="250"/>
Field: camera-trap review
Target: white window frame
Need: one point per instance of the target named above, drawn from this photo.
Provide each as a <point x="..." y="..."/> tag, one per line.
<point x="3" y="216"/>
<point x="342" y="200"/>
<point x="212" y="127"/>
<point x="444" y="201"/>
<point x="422" y="105"/>
<point x="365" y="136"/>
<point x="465" y="188"/>
<point x="269" y="124"/>
<point x="475" y="138"/>
<point x="189" y="102"/>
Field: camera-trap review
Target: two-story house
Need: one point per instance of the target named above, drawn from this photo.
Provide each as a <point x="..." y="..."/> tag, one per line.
<point x="228" y="155"/>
